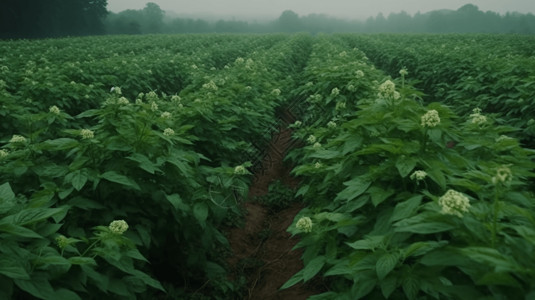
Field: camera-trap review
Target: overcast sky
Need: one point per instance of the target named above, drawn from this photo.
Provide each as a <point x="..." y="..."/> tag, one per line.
<point x="353" y="9"/>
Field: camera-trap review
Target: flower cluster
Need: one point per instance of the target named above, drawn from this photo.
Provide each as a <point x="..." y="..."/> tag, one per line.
<point x="340" y="105"/>
<point x="318" y="165"/>
<point x="3" y="153"/>
<point x="351" y="88"/>
<point x="418" y="175"/>
<point x="387" y="90"/>
<point x="151" y="96"/>
<point x="168" y="132"/>
<point x="54" y="110"/>
<point x="316" y="145"/>
<point x="153" y="106"/>
<point x="403" y="72"/>
<point x="335" y="92"/>
<point x="118" y="226"/>
<point x="359" y="74"/>
<point x="116" y="90"/>
<point x="165" y="115"/>
<point x="210" y="86"/>
<point x="87" y="134"/>
<point x="298" y="123"/>
<point x="17" y="139"/>
<point x="122" y="101"/>
<point x="477" y="117"/>
<point x="430" y="119"/>
<point x="503" y="176"/>
<point x="240" y="170"/>
<point x="304" y="224"/>
<point x="331" y="124"/>
<point x="276" y="92"/>
<point x="62" y="241"/>
<point x="454" y="203"/>
<point x="311" y="139"/>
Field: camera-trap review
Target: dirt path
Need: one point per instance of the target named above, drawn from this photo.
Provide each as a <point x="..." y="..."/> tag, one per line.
<point x="262" y="248"/>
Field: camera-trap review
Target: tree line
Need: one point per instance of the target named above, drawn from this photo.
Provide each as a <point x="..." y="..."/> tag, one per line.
<point x="467" y="19"/>
<point x="52" y="18"/>
<point x="55" y="18"/>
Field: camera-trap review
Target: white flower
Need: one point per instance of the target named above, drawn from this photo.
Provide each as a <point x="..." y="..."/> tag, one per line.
<point x="240" y="170"/>
<point x="87" y="134"/>
<point x="210" y="86"/>
<point x="316" y="145"/>
<point x="359" y="74"/>
<point x="168" y="132"/>
<point x="153" y="106"/>
<point x="304" y="224"/>
<point x="477" y="117"/>
<point x="340" y="105"/>
<point x="430" y="119"/>
<point x="351" y="88"/>
<point x="175" y="98"/>
<point x="3" y="153"/>
<point x="166" y="115"/>
<point x="335" y="92"/>
<point x="318" y="165"/>
<point x="151" y="96"/>
<point x="454" y="203"/>
<point x="387" y="90"/>
<point x="311" y="139"/>
<point x="418" y="175"/>
<point x="298" y="123"/>
<point x="118" y="226"/>
<point x="403" y="72"/>
<point x="275" y="92"/>
<point x="331" y="124"/>
<point x="239" y="60"/>
<point x="54" y="110"/>
<point x="503" y="176"/>
<point x="116" y="89"/>
<point x="17" y="139"/>
<point x="122" y="101"/>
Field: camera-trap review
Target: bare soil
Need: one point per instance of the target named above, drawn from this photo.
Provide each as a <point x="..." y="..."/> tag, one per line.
<point x="262" y="249"/>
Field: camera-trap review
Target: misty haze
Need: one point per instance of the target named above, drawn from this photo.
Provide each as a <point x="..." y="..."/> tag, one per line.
<point x="267" y="150"/>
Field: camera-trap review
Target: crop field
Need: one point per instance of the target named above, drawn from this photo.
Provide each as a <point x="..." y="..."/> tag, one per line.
<point x="126" y="160"/>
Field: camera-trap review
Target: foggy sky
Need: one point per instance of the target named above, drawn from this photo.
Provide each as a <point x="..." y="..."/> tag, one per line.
<point x="349" y="9"/>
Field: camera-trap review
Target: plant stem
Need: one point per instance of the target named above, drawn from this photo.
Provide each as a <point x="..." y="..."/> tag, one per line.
<point x="89" y="248"/>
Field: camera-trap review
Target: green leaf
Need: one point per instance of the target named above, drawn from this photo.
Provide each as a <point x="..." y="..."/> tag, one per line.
<point x="6" y="193"/>
<point x="78" y="180"/>
<point x="369" y="243"/>
<point x="355" y="187"/>
<point x="149" y="280"/>
<point x="411" y="286"/>
<point x="406" y="208"/>
<point x="32" y="215"/>
<point x="293" y="281"/>
<point x="379" y="194"/>
<point x="38" y="286"/>
<point x="200" y="211"/>
<point x="426" y="228"/>
<point x="177" y="202"/>
<point x="144" y="162"/>
<point x="120" y="179"/>
<point x="80" y="260"/>
<point x="12" y="268"/>
<point x="405" y="165"/>
<point x="421" y="248"/>
<point x="388" y="286"/>
<point x="385" y="264"/>
<point x="65" y="294"/>
<point x="19" y="231"/>
<point x="61" y="144"/>
<point x="313" y="267"/>
<point x="498" y="278"/>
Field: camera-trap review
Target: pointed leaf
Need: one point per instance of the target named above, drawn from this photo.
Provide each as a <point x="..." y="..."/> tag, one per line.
<point x="385" y="264"/>
<point x="313" y="267"/>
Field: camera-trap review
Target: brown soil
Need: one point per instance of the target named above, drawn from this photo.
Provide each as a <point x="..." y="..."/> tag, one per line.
<point x="262" y="249"/>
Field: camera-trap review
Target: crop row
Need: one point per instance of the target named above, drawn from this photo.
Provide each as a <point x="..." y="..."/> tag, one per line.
<point x="161" y="158"/>
<point x="406" y="200"/>
<point x="493" y="73"/>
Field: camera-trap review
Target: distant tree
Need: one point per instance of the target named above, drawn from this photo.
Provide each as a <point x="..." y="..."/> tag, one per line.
<point x="153" y="17"/>
<point x="289" y="22"/>
<point x="51" y="18"/>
